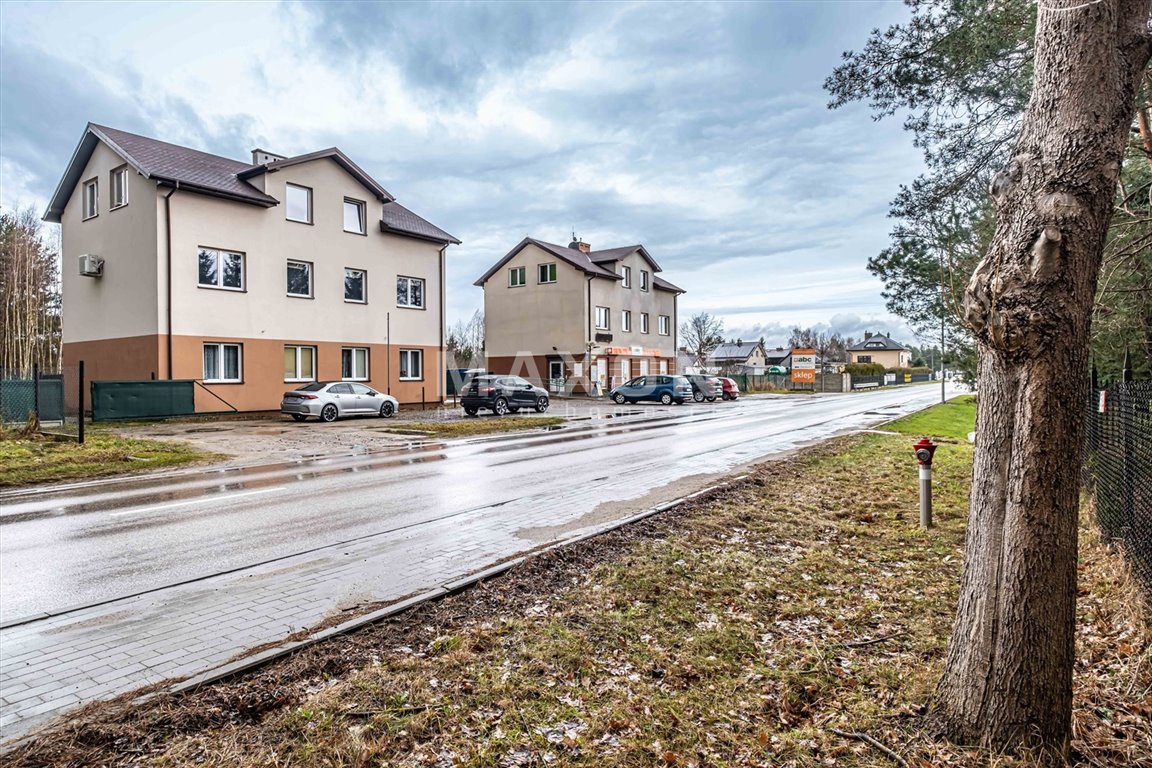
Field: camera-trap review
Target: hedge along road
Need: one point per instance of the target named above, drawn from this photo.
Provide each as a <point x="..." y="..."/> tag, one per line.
<point x="116" y="585"/>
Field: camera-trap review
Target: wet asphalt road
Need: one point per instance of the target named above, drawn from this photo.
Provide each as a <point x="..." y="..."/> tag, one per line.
<point x="91" y="544"/>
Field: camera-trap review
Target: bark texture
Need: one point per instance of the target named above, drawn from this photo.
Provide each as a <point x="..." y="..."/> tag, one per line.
<point x="1007" y="682"/>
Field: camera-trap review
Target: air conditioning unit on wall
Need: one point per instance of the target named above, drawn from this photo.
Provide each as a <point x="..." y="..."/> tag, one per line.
<point x="91" y="265"/>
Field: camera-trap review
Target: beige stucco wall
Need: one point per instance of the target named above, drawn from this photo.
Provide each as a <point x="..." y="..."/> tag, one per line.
<point x="890" y="358"/>
<point x="122" y="303"/>
<point x="533" y="318"/>
<point x="268" y="240"/>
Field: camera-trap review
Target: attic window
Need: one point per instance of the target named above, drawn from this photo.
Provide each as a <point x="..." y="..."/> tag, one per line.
<point x="643" y="279"/>
<point x="354" y="216"/>
<point x="299" y="203"/>
<point x="91" y="198"/>
<point x="119" y="185"/>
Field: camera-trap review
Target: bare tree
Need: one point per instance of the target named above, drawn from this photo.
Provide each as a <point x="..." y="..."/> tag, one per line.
<point x="1007" y="681"/>
<point x="29" y="296"/>
<point x="701" y="334"/>
<point x="466" y="341"/>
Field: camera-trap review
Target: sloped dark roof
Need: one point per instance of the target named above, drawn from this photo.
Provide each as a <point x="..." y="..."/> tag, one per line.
<point x="661" y="284"/>
<point x="877" y="342"/>
<point x="776" y="356"/>
<point x="335" y="155"/>
<point x="576" y="258"/>
<point x="397" y="218"/>
<point x="167" y="163"/>
<point x="735" y="351"/>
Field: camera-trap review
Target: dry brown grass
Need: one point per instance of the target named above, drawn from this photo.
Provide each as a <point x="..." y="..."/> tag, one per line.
<point x="742" y="629"/>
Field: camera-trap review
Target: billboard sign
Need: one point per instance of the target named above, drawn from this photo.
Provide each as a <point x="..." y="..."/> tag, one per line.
<point x="803" y="366"/>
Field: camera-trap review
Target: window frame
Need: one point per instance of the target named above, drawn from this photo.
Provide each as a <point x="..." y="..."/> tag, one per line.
<point x="219" y="347"/>
<point x="644" y="326"/>
<point x="626" y="321"/>
<point x="311" y="282"/>
<point x="122" y="174"/>
<point x="664" y="325"/>
<point x="298" y="377"/>
<point x="287" y="209"/>
<point x="363" y="286"/>
<point x="540" y="271"/>
<point x="362" y="208"/>
<point x="411" y="354"/>
<point x="645" y="280"/>
<point x="605" y="314"/>
<point x="408" y="292"/>
<point x="863" y="358"/>
<point x="522" y="272"/>
<point x="91" y="203"/>
<point x="351" y="351"/>
<point x="626" y="274"/>
<point x="219" y="286"/>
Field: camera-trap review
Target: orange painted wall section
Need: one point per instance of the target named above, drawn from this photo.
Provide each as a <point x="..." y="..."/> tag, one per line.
<point x="262" y="368"/>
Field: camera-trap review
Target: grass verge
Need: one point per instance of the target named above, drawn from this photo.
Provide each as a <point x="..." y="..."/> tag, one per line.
<point x="743" y="628"/>
<point x="954" y="419"/>
<point x="477" y="426"/>
<point x="34" y="459"/>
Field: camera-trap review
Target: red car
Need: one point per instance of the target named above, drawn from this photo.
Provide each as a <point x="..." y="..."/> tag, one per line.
<point x="728" y="389"/>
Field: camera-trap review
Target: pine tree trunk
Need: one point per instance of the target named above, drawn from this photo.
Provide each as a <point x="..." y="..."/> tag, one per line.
<point x="1007" y="682"/>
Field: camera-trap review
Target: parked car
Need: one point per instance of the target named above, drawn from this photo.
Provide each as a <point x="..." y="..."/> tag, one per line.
<point x="704" y="387"/>
<point x="329" y="400"/>
<point x="658" y="389"/>
<point x="502" y="395"/>
<point x="729" y="389"/>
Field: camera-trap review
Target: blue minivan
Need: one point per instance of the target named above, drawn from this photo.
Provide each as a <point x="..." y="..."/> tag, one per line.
<point x="660" y="388"/>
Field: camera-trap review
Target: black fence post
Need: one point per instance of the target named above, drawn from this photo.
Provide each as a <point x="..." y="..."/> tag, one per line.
<point x="81" y="393"/>
<point x="36" y="390"/>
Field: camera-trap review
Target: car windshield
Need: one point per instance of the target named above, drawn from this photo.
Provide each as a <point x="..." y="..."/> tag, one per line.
<point x="315" y="386"/>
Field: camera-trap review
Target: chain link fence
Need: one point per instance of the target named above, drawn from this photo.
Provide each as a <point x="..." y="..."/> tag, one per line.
<point x="51" y="399"/>
<point x="1118" y="470"/>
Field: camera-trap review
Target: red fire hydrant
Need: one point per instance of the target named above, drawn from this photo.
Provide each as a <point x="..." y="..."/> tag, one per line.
<point x="924" y="451"/>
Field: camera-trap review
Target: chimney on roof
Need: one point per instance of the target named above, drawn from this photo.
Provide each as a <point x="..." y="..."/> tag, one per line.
<point x="867" y="335"/>
<point x="579" y="244"/>
<point x="263" y="157"/>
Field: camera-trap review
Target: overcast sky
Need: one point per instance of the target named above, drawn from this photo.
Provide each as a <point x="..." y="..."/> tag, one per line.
<point x="699" y="130"/>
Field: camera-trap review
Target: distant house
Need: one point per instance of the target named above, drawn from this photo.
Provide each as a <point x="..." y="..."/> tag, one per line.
<point x="778" y="358"/>
<point x="880" y="348"/>
<point x="578" y="316"/>
<point x="745" y="357"/>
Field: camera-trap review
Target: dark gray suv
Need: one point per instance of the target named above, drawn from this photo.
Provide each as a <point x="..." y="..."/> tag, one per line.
<point x="502" y="395"/>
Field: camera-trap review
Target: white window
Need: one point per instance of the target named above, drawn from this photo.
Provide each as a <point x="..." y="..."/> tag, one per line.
<point x="643" y="322"/>
<point x="354" y="216"/>
<point x="119" y="185"/>
<point x="221" y="269"/>
<point x="546" y="273"/>
<point x="298" y="203"/>
<point x="665" y="323"/>
<point x="602" y="318"/>
<point x="517" y="276"/>
<point x="644" y="281"/>
<point x="299" y="363"/>
<point x="300" y="279"/>
<point x="626" y="272"/>
<point x="91" y="198"/>
<point x="411" y="364"/>
<point x="354" y="363"/>
<point x="410" y="292"/>
<point x="221" y="363"/>
<point x="625" y="369"/>
<point x="626" y="321"/>
<point x="356" y="286"/>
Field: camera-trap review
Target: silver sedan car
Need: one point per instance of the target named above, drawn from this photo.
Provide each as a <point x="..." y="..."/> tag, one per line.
<point x="329" y="400"/>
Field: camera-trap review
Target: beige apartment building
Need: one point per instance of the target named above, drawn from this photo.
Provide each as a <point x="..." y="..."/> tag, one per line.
<point x="248" y="277"/>
<point x="578" y="319"/>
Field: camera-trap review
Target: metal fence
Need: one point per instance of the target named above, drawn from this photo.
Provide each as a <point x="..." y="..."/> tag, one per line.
<point x="52" y="397"/>
<point x="1118" y="469"/>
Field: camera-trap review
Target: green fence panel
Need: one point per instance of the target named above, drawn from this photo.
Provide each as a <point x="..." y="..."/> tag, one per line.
<point x="142" y="399"/>
<point x="18" y="399"/>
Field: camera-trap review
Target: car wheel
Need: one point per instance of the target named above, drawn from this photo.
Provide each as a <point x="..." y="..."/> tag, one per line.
<point x="298" y="417"/>
<point x="471" y="411"/>
<point x="329" y="413"/>
<point x="541" y="404"/>
<point x="666" y="399"/>
<point x="500" y="408"/>
<point x="620" y="399"/>
<point x="387" y="410"/>
<point x="725" y="396"/>
<point x="698" y="396"/>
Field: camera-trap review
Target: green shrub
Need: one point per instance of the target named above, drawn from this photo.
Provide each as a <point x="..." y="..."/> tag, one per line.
<point x="864" y="369"/>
